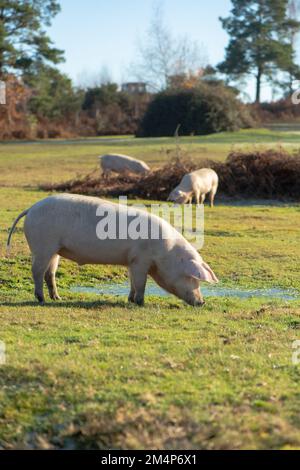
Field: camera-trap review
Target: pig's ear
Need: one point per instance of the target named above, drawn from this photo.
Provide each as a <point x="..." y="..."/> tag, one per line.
<point x="201" y="271"/>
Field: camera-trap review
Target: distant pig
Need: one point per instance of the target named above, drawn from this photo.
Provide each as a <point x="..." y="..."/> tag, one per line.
<point x="122" y="164"/>
<point x="198" y="184"/>
<point x="68" y="226"/>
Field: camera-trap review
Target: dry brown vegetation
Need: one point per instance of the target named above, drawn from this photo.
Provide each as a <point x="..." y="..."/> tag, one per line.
<point x="13" y="121"/>
<point x="258" y="174"/>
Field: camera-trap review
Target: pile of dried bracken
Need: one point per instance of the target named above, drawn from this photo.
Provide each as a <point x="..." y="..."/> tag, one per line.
<point x="265" y="174"/>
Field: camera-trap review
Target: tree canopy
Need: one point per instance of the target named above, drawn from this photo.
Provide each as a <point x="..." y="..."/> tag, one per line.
<point x="201" y="110"/>
<point x="260" y="40"/>
<point x="52" y="93"/>
<point x="23" y="39"/>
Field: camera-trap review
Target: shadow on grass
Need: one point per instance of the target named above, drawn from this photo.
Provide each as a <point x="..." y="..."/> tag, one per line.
<point x="78" y="304"/>
<point x="49" y="420"/>
<point x="39" y="425"/>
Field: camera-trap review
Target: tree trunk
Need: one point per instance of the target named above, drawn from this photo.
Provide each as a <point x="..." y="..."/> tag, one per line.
<point x="1" y="63"/>
<point x="258" y="85"/>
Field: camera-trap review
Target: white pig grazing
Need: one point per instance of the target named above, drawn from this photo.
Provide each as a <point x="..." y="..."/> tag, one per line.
<point x="68" y="226"/>
<point x="122" y="164"/>
<point x="198" y="184"/>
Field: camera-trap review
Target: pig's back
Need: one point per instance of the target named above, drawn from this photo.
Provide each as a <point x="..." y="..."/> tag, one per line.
<point x="186" y="184"/>
<point x="206" y="177"/>
<point x="118" y="162"/>
<point x="69" y="222"/>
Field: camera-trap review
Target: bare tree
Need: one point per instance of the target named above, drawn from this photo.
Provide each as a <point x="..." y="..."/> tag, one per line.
<point x="162" y="55"/>
<point x="104" y="77"/>
<point x="89" y="79"/>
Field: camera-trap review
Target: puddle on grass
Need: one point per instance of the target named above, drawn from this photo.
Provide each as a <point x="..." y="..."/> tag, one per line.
<point x="211" y="291"/>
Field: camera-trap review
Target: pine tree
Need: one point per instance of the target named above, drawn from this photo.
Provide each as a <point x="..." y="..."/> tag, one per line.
<point x="23" y="40"/>
<point x="260" y="40"/>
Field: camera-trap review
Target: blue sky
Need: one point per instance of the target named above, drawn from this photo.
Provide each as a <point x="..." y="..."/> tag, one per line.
<point x="97" y="33"/>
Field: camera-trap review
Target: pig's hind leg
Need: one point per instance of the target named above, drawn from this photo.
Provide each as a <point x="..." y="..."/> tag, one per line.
<point x="50" y="278"/>
<point x="212" y="196"/>
<point x="40" y="263"/>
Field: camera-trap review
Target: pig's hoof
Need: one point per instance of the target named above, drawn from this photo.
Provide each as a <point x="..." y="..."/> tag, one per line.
<point x="55" y="297"/>
<point x="131" y="299"/>
<point x="139" y="301"/>
<point x="40" y="299"/>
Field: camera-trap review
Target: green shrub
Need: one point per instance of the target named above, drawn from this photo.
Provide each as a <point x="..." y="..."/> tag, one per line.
<point x="204" y="110"/>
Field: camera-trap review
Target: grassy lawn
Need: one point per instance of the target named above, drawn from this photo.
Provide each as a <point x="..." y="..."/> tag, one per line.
<point x="93" y="372"/>
<point x="53" y="161"/>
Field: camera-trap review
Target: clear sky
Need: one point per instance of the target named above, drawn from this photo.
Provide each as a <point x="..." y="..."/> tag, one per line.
<point x="97" y="33"/>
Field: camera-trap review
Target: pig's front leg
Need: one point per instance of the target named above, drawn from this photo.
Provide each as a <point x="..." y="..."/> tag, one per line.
<point x="138" y="279"/>
<point x="132" y="289"/>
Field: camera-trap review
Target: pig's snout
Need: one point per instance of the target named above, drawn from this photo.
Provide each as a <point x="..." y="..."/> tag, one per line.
<point x="196" y="300"/>
<point x="187" y="289"/>
<point x="197" y="303"/>
<point x="200" y="302"/>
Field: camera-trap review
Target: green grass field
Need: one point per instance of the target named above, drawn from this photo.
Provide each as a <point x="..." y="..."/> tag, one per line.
<point x="29" y="164"/>
<point x="94" y="372"/>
